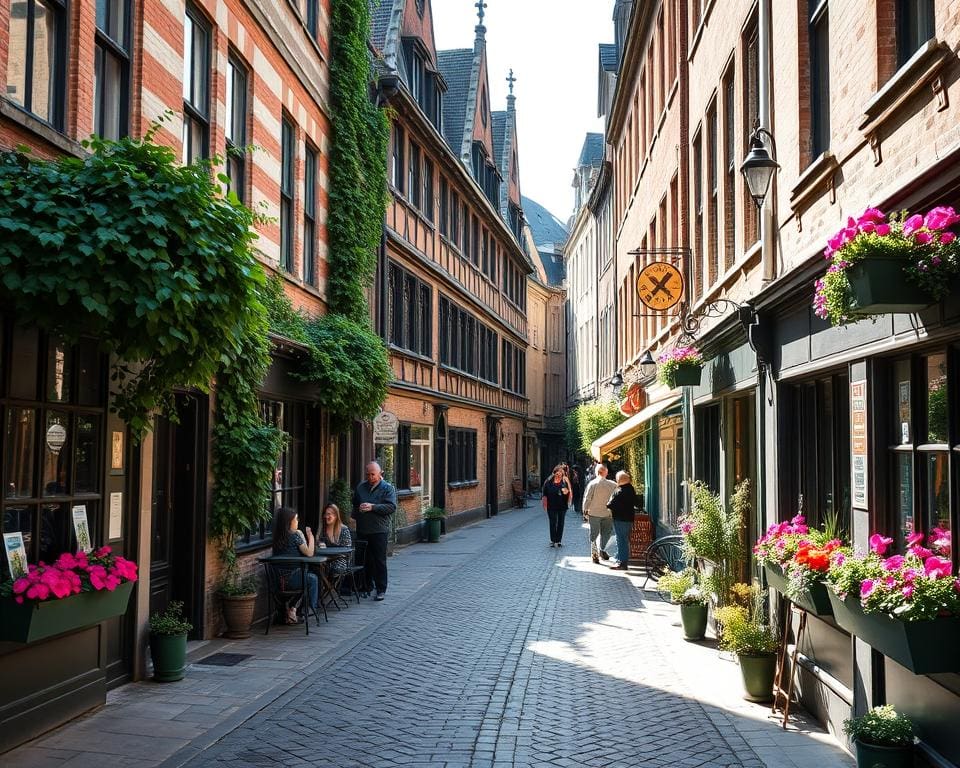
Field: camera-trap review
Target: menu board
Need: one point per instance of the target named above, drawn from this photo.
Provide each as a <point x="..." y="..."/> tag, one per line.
<point x="858" y="443"/>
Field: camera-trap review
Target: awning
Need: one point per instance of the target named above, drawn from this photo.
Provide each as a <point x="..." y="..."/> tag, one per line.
<point x="625" y="432"/>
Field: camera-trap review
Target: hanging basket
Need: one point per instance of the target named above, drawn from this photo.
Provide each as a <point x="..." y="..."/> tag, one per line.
<point x="686" y="375"/>
<point x="879" y="286"/>
<point x="30" y="621"/>
<point x="923" y="647"/>
<point x="814" y="600"/>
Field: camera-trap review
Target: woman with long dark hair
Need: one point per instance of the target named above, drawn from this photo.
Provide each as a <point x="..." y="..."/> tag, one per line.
<point x="290" y="542"/>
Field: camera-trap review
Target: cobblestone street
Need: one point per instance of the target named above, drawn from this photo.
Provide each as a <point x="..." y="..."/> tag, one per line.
<point x="492" y="649"/>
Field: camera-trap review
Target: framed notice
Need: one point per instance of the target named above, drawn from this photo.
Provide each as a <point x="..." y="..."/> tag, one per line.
<point x="859" y="468"/>
<point x="16" y="554"/>
<point x="116" y="516"/>
<point x="81" y="529"/>
<point x="116" y="452"/>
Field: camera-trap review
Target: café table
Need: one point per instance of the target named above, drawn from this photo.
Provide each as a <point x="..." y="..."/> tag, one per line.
<point x="327" y="589"/>
<point x="303" y="563"/>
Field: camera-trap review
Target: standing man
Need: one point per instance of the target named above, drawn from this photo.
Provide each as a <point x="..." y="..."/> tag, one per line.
<point x="595" y="499"/>
<point x="374" y="502"/>
<point x="623" y="505"/>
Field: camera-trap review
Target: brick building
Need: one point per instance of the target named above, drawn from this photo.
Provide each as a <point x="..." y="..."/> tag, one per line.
<point x="452" y="285"/>
<point x="234" y="74"/>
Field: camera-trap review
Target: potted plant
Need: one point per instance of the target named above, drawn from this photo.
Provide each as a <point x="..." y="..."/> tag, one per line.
<point x="77" y="590"/>
<point x="238" y="599"/>
<point x="905" y="606"/>
<point x="755" y="643"/>
<point x="683" y="590"/>
<point x="168" y="643"/>
<point x="434" y="518"/>
<point x="883" y="738"/>
<point x="881" y="264"/>
<point x="679" y="367"/>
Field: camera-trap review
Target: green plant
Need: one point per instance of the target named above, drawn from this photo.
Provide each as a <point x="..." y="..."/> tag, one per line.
<point x="676" y="583"/>
<point x="669" y="361"/>
<point x="342" y="496"/>
<point x="170" y="621"/>
<point x="129" y="246"/>
<point x="744" y="630"/>
<point x="239" y="586"/>
<point x="398" y="520"/>
<point x="434" y="513"/>
<point x="282" y="318"/>
<point x="588" y="421"/>
<point x="882" y="726"/>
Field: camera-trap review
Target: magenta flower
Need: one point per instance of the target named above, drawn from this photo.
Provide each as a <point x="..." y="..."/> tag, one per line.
<point x="914" y="538"/>
<point x="924" y="238"/>
<point x="940" y="218"/>
<point x="874" y="215"/>
<point x="866" y="587"/>
<point x="880" y="543"/>
<point x="907" y="591"/>
<point x="922" y="552"/>
<point x="937" y="568"/>
<point x="947" y="237"/>
<point x="883" y="229"/>
<point x="912" y="224"/>
<point x="893" y="563"/>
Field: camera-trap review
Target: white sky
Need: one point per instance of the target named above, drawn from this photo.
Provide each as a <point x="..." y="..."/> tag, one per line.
<point x="552" y="47"/>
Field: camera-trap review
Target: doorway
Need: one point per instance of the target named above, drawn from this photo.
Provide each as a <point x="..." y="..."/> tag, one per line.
<point x="493" y="428"/>
<point x="440" y="462"/>
<point x="178" y="520"/>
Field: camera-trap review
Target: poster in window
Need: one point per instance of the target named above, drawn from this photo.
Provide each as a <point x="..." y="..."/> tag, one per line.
<point x="858" y="443"/>
<point x="116" y="453"/>
<point x="81" y="529"/>
<point x="16" y="554"/>
<point x="904" y="411"/>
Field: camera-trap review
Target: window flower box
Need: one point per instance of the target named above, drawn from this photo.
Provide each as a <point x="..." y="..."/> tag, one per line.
<point x="814" y="599"/>
<point x="680" y="367"/>
<point x="30" y="621"/>
<point x="923" y="647"/>
<point x="879" y="285"/>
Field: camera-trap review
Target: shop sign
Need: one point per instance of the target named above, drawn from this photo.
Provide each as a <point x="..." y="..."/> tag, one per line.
<point x="660" y="286"/>
<point x="858" y="443"/>
<point x="386" y="427"/>
<point x="56" y="437"/>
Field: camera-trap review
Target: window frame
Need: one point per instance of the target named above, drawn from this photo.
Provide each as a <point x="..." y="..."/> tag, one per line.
<point x="409" y="312"/>
<point x="197" y="114"/>
<point x="818" y="35"/>
<point x="310" y="166"/>
<point x="236" y="119"/>
<point x="287" y="175"/>
<point x="119" y="50"/>
<point x="461" y="456"/>
<point x="916" y="24"/>
<point x="58" y="68"/>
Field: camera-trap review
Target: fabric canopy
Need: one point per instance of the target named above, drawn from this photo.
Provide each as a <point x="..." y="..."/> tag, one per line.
<point x="625" y="432"/>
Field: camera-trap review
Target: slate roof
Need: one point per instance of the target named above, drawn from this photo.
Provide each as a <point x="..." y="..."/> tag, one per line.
<point x="499" y="134"/>
<point x="456" y="66"/>
<point x="609" y="58"/>
<point x="553" y="267"/>
<point x="380" y="13"/>
<point x="592" y="151"/>
<point x="546" y="227"/>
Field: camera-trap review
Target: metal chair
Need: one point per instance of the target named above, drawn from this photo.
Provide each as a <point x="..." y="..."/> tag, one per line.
<point x="357" y="569"/>
<point x="280" y="595"/>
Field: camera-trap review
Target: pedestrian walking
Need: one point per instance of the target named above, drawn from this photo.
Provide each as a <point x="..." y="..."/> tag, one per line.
<point x="556" y="498"/>
<point x="576" y="486"/>
<point x="595" y="498"/>
<point x="622" y="505"/>
<point x="374" y="502"/>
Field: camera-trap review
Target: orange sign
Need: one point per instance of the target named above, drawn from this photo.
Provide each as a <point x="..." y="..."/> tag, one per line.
<point x="660" y="286"/>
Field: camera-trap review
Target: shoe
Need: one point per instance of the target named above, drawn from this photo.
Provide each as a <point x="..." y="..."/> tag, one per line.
<point x="552" y="544"/>
<point x="618" y="568"/>
<point x="604" y="555"/>
<point x="559" y="544"/>
<point x="595" y="558"/>
<point x="379" y="596"/>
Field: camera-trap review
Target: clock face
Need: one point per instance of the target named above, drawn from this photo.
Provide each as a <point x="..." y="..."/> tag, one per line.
<point x="660" y="286"/>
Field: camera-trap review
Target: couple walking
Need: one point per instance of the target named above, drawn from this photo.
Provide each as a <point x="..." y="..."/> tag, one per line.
<point x="609" y="506"/>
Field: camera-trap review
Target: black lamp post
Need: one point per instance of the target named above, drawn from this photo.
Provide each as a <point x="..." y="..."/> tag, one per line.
<point x="616" y="380"/>
<point x="758" y="167"/>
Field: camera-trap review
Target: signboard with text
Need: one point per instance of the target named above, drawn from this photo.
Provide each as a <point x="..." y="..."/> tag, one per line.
<point x="858" y="444"/>
<point x="386" y="426"/>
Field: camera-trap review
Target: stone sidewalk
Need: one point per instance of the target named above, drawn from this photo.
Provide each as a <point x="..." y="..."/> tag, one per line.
<point x="491" y="649"/>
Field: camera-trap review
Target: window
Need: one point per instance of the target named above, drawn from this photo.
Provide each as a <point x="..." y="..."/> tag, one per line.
<point x="488" y="354"/>
<point x="52" y="411"/>
<point x="310" y="216"/>
<point x="418" y="79"/>
<point x="196" y="86"/>
<point x="514" y="284"/>
<point x="514" y="374"/>
<point x="236" y="130"/>
<point x="474" y="240"/>
<point x="428" y="201"/>
<point x="437" y="104"/>
<point x="311" y="18"/>
<point x="455" y="234"/>
<point x="466" y="345"/>
<point x="397" y="177"/>
<point x="111" y="69"/>
<point x="751" y="112"/>
<point x="713" y="169"/>
<point x="697" y="265"/>
<point x="444" y="207"/>
<point x="413" y="176"/>
<point x="819" y="33"/>
<point x="730" y="174"/>
<point x="461" y="456"/>
<point x="706" y="445"/>
<point x="915" y="25"/>
<point x="286" y="194"/>
<point x="410" y="309"/>
<point x="36" y="64"/>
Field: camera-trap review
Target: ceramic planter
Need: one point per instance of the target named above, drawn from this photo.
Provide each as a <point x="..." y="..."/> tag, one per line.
<point x="238" y="615"/>
<point x="757" y="671"/>
<point x="878" y="285"/>
<point x="875" y="756"/>
<point x="686" y="375"/>
<point x="30" y="621"/>
<point x="813" y="600"/>
<point x="169" y="654"/>
<point x="920" y="646"/>
<point x="433" y="529"/>
<point x="694" y="620"/>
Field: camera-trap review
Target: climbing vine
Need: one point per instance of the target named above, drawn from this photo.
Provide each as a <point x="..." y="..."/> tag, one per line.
<point x="358" y="163"/>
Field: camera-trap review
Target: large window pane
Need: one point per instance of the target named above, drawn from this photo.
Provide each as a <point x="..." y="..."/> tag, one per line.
<point x="903" y="493"/>
<point x="112" y="20"/>
<point x="89" y="381"/>
<point x="86" y="455"/>
<point x="56" y="531"/>
<point x="19" y="448"/>
<point x="59" y="369"/>
<point x="56" y="454"/>
<point x="937" y="491"/>
<point x="936" y="388"/>
<point x="17" y="61"/>
<point x="23" y="368"/>
<point x="44" y="79"/>
<point x="902" y="416"/>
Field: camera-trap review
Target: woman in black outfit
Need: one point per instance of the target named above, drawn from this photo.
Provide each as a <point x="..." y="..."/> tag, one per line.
<point x="556" y="499"/>
<point x="622" y="504"/>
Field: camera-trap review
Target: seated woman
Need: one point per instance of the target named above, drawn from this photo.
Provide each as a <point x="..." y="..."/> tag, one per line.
<point x="335" y="534"/>
<point x="290" y="542"/>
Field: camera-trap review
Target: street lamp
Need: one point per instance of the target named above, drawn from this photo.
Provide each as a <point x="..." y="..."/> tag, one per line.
<point x="758" y="167"/>
<point x="616" y="380"/>
<point x="648" y="366"/>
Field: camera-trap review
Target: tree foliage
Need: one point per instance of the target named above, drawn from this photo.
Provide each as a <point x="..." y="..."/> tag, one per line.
<point x="588" y="421"/>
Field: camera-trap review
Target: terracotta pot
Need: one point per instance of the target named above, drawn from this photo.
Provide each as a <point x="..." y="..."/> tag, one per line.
<point x="238" y="615"/>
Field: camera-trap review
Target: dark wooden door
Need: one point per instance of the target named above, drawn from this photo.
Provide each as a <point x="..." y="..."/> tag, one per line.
<point x="440" y="463"/>
<point x="492" y="481"/>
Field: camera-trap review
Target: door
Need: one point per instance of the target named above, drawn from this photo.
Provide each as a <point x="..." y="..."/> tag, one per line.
<point x="492" y="479"/>
<point x="178" y="521"/>
<point x="440" y="463"/>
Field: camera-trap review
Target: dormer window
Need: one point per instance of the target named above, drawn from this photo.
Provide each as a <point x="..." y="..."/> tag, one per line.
<point x="417" y="77"/>
<point x="483" y="106"/>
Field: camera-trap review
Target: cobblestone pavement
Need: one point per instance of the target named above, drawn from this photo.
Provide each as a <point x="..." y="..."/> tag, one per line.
<point x="516" y="658"/>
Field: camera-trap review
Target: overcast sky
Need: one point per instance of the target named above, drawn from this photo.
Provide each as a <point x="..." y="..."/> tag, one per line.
<point x="552" y="47"/>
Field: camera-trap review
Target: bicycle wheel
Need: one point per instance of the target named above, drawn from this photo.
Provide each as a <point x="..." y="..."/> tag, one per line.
<point x="665" y="552"/>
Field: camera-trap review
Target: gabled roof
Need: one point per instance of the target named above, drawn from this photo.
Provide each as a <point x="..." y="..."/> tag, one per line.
<point x="553" y="267"/>
<point x="547" y="229"/>
<point x="456" y="66"/>
<point x="592" y="151"/>
<point x="385" y="18"/>
<point x="609" y="57"/>
<point x="499" y="135"/>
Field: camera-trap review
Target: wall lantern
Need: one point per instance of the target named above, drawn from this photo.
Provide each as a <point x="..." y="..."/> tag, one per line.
<point x="648" y="365"/>
<point x="758" y="167"/>
<point x="616" y="380"/>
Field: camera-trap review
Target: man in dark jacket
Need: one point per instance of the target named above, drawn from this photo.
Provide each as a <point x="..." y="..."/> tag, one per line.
<point x="622" y="505"/>
<point x="374" y="502"/>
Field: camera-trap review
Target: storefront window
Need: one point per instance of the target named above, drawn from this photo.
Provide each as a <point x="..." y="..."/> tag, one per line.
<point x="935" y="367"/>
<point x="903" y="474"/>
<point x="406" y="464"/>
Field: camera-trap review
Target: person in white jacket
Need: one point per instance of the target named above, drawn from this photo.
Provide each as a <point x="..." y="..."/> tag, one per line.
<point x="595" y="510"/>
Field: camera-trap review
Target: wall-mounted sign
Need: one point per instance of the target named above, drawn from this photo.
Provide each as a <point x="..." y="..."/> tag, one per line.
<point x="386" y="426"/>
<point x="660" y="286"/>
<point x="116" y="516"/>
<point x="859" y="469"/>
<point x="116" y="452"/>
<point x="56" y="437"/>
<point x="16" y="554"/>
<point x="81" y="529"/>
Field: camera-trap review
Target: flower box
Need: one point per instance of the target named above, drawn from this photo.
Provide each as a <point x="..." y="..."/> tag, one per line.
<point x="814" y="600"/>
<point x="30" y="621"/>
<point x="923" y="647"/>
<point x="879" y="285"/>
<point x="686" y="375"/>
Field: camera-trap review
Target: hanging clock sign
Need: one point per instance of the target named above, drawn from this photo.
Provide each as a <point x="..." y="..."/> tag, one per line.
<point x="660" y="286"/>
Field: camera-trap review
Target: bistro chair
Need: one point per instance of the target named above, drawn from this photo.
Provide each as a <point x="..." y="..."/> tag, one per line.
<point x="280" y="596"/>
<point x="355" y="573"/>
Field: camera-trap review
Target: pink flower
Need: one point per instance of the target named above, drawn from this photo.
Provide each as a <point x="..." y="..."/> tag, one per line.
<point x="910" y="575"/>
<point x="893" y="563"/>
<point x="867" y="227"/>
<point x="874" y="215"/>
<point x="947" y="237"/>
<point x="883" y="229"/>
<point x="866" y="587"/>
<point x="923" y="238"/>
<point x="907" y="591"/>
<point x="914" y="538"/>
<point x="879" y="543"/>
<point x="922" y="552"/>
<point x="890" y="582"/>
<point x="912" y="224"/>
<point x="686" y="527"/>
<point x="940" y="218"/>
<point x="936" y="567"/>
